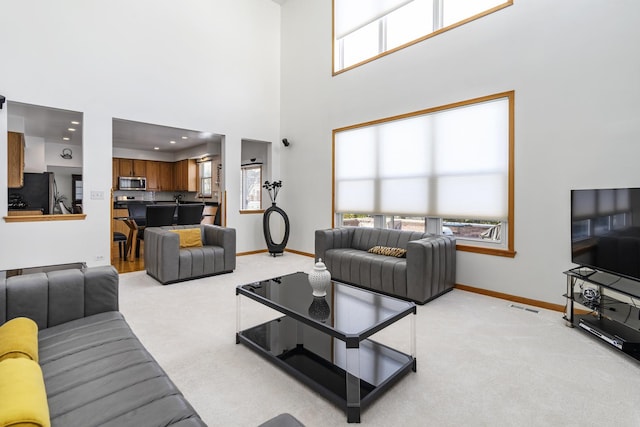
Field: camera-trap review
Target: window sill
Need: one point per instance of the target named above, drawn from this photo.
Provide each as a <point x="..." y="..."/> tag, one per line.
<point x="487" y="251"/>
<point x="248" y="212"/>
<point x="39" y="218"/>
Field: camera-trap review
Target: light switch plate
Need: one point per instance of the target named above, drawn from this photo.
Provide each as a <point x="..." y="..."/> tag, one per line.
<point x="97" y="195"/>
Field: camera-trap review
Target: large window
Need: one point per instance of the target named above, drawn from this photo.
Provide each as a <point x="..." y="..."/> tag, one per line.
<point x="446" y="170"/>
<point x="366" y="30"/>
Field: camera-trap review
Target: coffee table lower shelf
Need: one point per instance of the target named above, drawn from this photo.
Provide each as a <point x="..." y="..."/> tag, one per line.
<point x="380" y="366"/>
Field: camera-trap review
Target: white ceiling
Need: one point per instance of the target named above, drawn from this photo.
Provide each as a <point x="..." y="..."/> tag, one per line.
<point x="145" y="136"/>
<point x="53" y="125"/>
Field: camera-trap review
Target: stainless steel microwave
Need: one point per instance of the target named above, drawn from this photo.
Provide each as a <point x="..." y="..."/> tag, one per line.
<point x="132" y="183"/>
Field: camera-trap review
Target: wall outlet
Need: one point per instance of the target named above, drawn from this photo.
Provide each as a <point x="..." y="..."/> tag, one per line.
<point x="99" y="258"/>
<point x="97" y="195"/>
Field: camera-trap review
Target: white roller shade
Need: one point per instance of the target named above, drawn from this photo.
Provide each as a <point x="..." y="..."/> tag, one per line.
<point x="450" y="164"/>
<point x="350" y="15"/>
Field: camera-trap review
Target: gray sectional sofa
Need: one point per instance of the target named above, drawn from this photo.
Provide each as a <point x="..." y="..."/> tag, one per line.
<point x="426" y="272"/>
<point x="96" y="372"/>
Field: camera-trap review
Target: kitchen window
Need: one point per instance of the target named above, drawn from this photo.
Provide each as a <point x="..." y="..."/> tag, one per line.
<point x="445" y="170"/>
<point x="205" y="178"/>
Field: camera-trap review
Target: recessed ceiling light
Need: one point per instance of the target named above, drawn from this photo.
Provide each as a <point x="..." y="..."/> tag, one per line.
<point x="71" y="129"/>
<point x="75" y="123"/>
<point x="172" y="142"/>
<point x="66" y="138"/>
<point x="156" y="148"/>
<point x="185" y="137"/>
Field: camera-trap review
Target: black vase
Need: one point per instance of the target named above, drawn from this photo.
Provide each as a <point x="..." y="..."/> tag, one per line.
<point x="275" y="248"/>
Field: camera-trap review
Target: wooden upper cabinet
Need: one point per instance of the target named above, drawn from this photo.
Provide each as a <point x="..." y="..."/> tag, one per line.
<point x="161" y="176"/>
<point x="132" y="167"/>
<point x="186" y="175"/>
<point x="139" y="168"/>
<point x="115" y="173"/>
<point x="15" y="160"/>
<point x="129" y="167"/>
<point x="153" y="175"/>
<point x="165" y="176"/>
<point x="125" y="167"/>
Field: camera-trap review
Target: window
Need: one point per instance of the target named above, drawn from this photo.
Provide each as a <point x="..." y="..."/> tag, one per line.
<point x="205" y="178"/>
<point x="363" y="32"/>
<point x="446" y="170"/>
<point x="251" y="187"/>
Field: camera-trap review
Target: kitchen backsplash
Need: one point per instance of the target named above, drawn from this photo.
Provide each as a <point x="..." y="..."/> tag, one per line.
<point x="161" y="196"/>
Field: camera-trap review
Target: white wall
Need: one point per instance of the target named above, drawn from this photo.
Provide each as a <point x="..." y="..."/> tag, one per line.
<point x="211" y="65"/>
<point x="575" y="76"/>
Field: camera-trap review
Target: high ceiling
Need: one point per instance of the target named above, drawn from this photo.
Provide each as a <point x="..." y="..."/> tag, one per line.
<point x="54" y="125"/>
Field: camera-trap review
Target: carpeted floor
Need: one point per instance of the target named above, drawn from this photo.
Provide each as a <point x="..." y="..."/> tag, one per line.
<point x="481" y="361"/>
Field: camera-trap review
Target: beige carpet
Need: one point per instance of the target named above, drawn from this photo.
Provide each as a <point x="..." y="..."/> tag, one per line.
<point x="481" y="361"/>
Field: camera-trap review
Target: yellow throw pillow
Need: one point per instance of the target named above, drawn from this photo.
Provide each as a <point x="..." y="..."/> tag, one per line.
<point x="189" y="237"/>
<point x="23" y="395"/>
<point x="19" y="338"/>
<point x="385" y="250"/>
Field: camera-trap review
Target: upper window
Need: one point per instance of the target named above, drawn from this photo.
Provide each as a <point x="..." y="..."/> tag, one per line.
<point x="366" y="30"/>
<point x="446" y="170"/>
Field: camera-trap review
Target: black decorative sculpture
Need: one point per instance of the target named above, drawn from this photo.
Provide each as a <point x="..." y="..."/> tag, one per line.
<point x="274" y="248"/>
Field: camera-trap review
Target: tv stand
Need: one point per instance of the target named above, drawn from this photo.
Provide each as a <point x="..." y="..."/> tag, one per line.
<point x="611" y="308"/>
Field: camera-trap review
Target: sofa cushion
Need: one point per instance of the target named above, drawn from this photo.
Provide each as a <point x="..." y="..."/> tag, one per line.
<point x="385" y="250"/>
<point x="366" y="238"/>
<point x="19" y="339"/>
<point x="189" y="237"/>
<point x="22" y="393"/>
<point x="97" y="373"/>
<point x="198" y="262"/>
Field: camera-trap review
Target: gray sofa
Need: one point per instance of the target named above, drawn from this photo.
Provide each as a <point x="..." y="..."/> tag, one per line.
<point x="96" y="371"/>
<point x="166" y="262"/>
<point x="427" y="271"/>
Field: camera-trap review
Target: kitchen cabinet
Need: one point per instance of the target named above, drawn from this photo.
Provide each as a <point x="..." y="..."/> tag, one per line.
<point x="132" y="167"/>
<point x="165" y="176"/>
<point x="139" y="168"/>
<point x="161" y="176"/>
<point x="153" y="175"/>
<point x="15" y="160"/>
<point x="125" y="167"/>
<point x="115" y="173"/>
<point x="186" y="175"/>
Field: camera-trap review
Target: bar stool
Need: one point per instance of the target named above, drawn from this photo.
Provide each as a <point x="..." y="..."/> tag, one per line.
<point x="121" y="238"/>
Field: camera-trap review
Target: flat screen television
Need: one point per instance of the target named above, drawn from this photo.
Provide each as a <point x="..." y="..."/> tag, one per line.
<point x="605" y="230"/>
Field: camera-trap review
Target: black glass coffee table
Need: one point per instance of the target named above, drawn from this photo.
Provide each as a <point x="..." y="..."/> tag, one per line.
<point x="325" y="341"/>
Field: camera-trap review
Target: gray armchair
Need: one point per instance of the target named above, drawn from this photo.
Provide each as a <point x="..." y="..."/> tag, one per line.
<point x="166" y="262"/>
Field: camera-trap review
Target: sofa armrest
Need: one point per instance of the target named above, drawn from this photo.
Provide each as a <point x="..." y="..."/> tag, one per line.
<point x="332" y="238"/>
<point x="161" y="253"/>
<point x="224" y="237"/>
<point x="431" y="267"/>
<point x="59" y="296"/>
